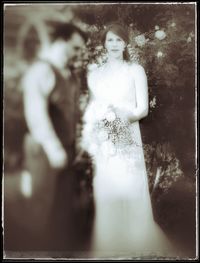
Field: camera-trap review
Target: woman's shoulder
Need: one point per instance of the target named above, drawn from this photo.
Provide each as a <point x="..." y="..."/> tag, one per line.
<point x="93" y="67"/>
<point x="94" y="75"/>
<point x="94" y="70"/>
<point x="135" y="66"/>
<point x="136" y="69"/>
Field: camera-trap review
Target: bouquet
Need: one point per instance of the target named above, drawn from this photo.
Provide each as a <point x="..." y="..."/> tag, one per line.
<point x="115" y="128"/>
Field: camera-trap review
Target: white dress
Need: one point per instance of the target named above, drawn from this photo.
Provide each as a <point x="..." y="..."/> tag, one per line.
<point x="124" y="224"/>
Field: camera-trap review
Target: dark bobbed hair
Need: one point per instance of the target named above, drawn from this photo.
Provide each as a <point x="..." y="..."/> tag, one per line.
<point x="121" y="31"/>
<point x="63" y="30"/>
<point x="30" y="39"/>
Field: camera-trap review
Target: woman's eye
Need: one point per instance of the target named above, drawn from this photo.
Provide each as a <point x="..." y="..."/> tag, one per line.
<point x="119" y="40"/>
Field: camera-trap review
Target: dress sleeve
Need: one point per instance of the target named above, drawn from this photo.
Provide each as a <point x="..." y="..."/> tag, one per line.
<point x="37" y="84"/>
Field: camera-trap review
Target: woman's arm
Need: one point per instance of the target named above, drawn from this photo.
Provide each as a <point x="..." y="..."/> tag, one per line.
<point x="141" y="90"/>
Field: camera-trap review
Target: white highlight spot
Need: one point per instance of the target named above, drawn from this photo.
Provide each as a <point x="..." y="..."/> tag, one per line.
<point x="26" y="184"/>
<point x="159" y="54"/>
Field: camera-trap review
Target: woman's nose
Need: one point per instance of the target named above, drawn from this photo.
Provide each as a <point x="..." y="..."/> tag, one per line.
<point x="115" y="43"/>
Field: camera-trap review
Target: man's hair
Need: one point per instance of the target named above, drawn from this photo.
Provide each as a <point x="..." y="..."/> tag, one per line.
<point x="63" y="30"/>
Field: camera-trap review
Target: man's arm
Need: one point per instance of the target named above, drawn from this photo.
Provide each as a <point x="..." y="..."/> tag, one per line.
<point x="37" y="85"/>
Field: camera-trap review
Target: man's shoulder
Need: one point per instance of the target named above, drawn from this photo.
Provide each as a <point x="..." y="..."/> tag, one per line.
<point x="40" y="76"/>
<point x="40" y="69"/>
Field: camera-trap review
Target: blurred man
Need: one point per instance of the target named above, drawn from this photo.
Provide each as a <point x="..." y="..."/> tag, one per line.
<point x="51" y="108"/>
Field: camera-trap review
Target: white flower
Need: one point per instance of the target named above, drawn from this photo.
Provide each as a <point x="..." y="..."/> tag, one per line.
<point x="156" y="27"/>
<point x="99" y="47"/>
<point x="110" y="116"/>
<point x="159" y="54"/>
<point x="160" y="34"/>
<point x="173" y="24"/>
<point x="140" y="40"/>
<point x="153" y="102"/>
<point x="191" y="34"/>
<point x="101" y="59"/>
<point x="189" y="39"/>
<point x="92" y="29"/>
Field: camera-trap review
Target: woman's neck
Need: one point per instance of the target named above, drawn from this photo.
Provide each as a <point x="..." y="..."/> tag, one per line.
<point x="114" y="61"/>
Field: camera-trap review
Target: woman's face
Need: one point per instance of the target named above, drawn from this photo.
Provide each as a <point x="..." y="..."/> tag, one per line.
<point x="115" y="45"/>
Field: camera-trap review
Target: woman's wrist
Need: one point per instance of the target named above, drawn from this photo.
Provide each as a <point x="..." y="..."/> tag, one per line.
<point x="132" y="117"/>
<point x="112" y="113"/>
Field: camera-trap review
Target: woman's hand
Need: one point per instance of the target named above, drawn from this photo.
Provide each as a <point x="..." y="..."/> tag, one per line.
<point x="126" y="115"/>
<point x="110" y="114"/>
<point x="122" y="113"/>
<point x="132" y="118"/>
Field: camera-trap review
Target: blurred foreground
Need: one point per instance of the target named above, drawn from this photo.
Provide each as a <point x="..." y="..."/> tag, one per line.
<point x="36" y="227"/>
<point x="29" y="233"/>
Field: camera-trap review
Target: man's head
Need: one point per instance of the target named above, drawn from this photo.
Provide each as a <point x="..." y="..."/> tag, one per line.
<point x="66" y="43"/>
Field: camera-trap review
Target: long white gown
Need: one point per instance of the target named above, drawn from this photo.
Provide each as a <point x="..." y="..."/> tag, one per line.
<point x="124" y="224"/>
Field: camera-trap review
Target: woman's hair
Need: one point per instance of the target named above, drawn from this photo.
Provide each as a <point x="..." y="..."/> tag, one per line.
<point x="119" y="30"/>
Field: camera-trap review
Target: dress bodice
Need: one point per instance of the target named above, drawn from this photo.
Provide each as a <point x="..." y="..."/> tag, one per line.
<point x="113" y="98"/>
<point x="113" y="86"/>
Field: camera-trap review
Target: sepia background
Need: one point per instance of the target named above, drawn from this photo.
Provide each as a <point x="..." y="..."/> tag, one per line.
<point x="162" y="39"/>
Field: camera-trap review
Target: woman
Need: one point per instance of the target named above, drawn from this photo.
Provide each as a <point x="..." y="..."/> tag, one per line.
<point x="124" y="223"/>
